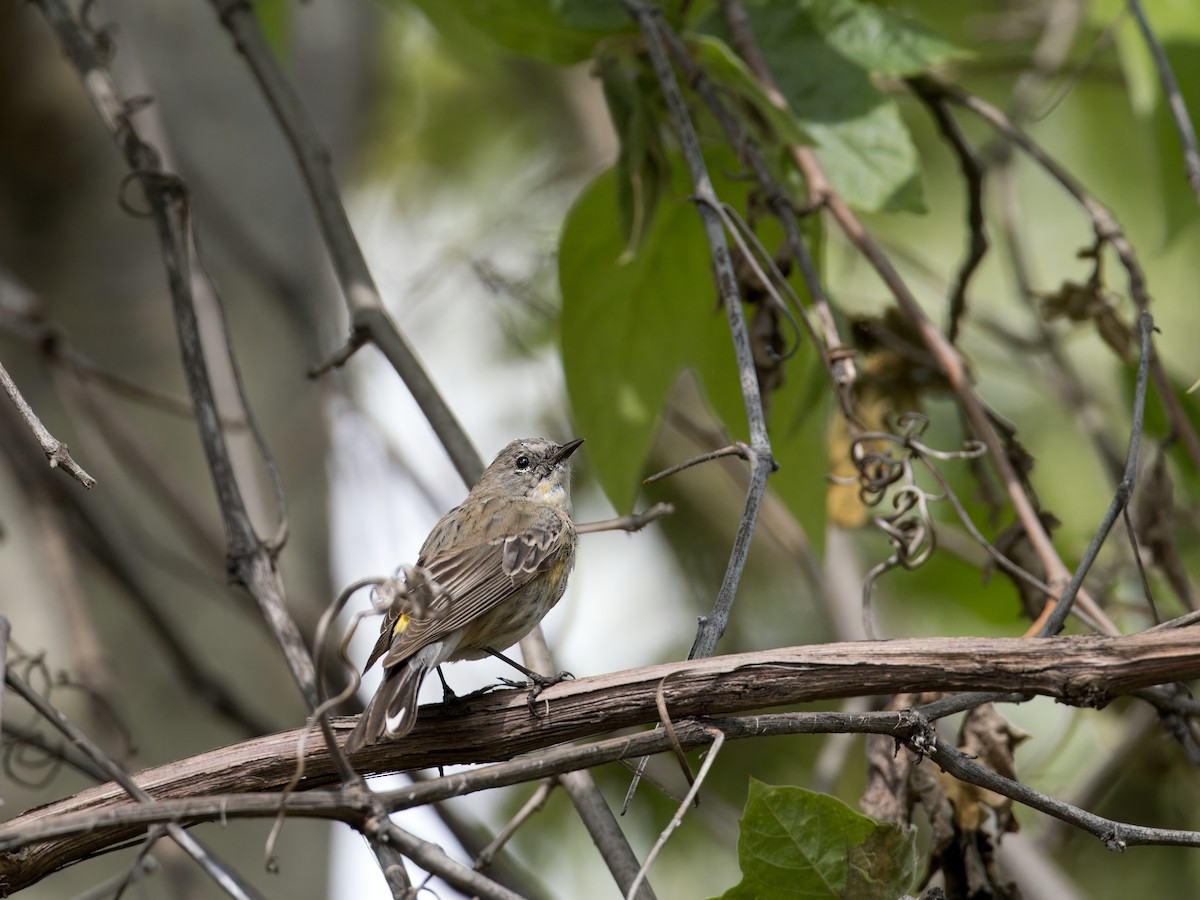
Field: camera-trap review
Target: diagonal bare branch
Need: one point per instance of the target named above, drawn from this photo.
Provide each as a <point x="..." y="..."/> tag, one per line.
<point x="369" y="319"/>
<point x="249" y="559"/>
<point x="55" y="450"/>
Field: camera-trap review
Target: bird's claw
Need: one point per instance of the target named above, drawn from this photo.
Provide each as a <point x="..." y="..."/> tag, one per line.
<point x="540" y="683"/>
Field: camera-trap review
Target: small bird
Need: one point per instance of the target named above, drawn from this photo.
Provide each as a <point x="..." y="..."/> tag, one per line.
<point x="492" y="568"/>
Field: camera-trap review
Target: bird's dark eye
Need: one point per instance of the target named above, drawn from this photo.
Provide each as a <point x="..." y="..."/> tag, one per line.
<point x="522" y="462"/>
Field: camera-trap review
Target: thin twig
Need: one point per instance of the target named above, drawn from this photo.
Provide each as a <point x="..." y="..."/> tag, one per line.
<point x="1056" y="615"/>
<point x="91" y="665"/>
<point x="1179" y="111"/>
<point x="1116" y="835"/>
<point x="1136" y="727"/>
<point x="1184" y="621"/>
<point x="17" y="734"/>
<point x="321" y="713"/>
<point x="533" y="805"/>
<point x="104" y="890"/>
<point x="341" y="356"/>
<point x="973" y="174"/>
<point x="1108" y="232"/>
<point x="676" y="820"/>
<point x="664" y="721"/>
<point x="912" y="726"/>
<point x="738" y="449"/>
<point x="5" y="632"/>
<point x="148" y="397"/>
<point x="585" y="796"/>
<point x="138" y="867"/>
<point x="632" y="523"/>
<point x="474" y="837"/>
<point x="276" y="542"/>
<point x="55" y="450"/>
<point x="711" y="627"/>
<point x="1143" y="577"/>
<point x="836" y="357"/>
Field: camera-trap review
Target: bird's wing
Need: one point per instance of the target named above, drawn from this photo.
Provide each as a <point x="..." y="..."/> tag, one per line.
<point x="471" y="577"/>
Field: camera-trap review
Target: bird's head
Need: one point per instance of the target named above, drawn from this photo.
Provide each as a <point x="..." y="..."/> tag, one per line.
<point x="535" y="469"/>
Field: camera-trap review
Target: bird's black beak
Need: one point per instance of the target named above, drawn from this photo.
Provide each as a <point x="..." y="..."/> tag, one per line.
<point x="566" y="450"/>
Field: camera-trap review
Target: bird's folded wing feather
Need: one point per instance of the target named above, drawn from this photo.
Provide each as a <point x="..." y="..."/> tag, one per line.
<point x="471" y="579"/>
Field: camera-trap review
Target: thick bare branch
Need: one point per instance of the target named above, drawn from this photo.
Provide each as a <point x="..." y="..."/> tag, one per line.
<point x="1087" y="671"/>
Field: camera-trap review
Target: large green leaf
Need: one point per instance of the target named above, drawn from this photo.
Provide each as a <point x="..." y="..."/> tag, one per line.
<point x="636" y="114"/>
<point x="632" y="324"/>
<point x="822" y="54"/>
<point x="629" y="328"/>
<point x="798" y="844"/>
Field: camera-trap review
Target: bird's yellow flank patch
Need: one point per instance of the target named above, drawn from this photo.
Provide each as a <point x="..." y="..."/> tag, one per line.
<point x="401" y="625"/>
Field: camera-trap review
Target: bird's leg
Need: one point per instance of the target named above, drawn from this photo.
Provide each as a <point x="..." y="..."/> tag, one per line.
<point x="448" y="694"/>
<point x="447" y="691"/>
<point x="539" y="682"/>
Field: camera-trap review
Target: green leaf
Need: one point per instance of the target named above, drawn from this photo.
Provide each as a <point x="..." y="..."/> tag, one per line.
<point x="795" y="843"/>
<point x="632" y="325"/>
<point x="726" y="68"/>
<point x="877" y="40"/>
<point x="822" y="53"/>
<point x="642" y="166"/>
<point x="882" y="866"/>
<point x="560" y="32"/>
<point x="871" y="160"/>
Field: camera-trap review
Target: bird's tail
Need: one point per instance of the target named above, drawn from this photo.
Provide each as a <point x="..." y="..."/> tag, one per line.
<point x="392" y="712"/>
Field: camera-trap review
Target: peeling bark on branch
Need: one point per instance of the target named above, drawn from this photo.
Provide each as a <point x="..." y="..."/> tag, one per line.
<point x="1085" y="671"/>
